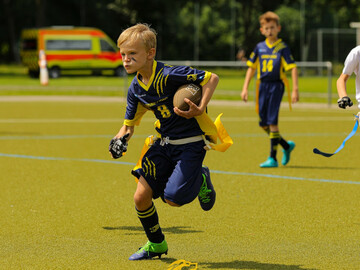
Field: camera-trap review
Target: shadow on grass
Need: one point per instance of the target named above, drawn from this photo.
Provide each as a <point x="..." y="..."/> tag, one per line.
<point x="320" y="167"/>
<point x="242" y="265"/>
<point x="173" y="230"/>
<point x="250" y="265"/>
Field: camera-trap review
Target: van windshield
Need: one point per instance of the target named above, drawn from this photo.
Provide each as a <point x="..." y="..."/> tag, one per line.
<point x="69" y="45"/>
<point x="106" y="46"/>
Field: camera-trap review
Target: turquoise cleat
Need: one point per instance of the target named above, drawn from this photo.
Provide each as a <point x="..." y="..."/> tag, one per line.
<point x="150" y="250"/>
<point x="286" y="157"/>
<point x="269" y="163"/>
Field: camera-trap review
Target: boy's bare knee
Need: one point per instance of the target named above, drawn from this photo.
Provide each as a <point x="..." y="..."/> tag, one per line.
<point x="142" y="203"/>
<point x="172" y="203"/>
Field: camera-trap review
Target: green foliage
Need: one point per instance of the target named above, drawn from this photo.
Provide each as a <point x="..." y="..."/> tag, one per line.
<point x="220" y="34"/>
<point x="290" y="23"/>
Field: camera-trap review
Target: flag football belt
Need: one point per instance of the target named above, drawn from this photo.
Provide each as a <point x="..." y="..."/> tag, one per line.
<point x="166" y="140"/>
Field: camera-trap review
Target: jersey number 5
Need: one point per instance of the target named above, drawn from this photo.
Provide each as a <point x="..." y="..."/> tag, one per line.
<point x="267" y="66"/>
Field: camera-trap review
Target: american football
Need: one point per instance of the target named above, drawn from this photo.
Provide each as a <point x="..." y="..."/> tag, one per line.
<point x="190" y="91"/>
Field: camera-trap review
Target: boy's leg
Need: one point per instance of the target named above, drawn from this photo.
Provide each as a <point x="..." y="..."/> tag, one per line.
<point x="274" y="135"/>
<point x="190" y="179"/>
<point x="146" y="211"/>
<point x="282" y="141"/>
<point x="288" y="147"/>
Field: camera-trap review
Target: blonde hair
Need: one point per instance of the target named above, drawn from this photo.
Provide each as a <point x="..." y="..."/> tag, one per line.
<point x="140" y="31"/>
<point x="268" y="17"/>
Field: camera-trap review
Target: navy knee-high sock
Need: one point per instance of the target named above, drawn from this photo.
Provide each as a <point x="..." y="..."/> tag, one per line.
<point x="274" y="141"/>
<point x="150" y="222"/>
<point x="282" y="141"/>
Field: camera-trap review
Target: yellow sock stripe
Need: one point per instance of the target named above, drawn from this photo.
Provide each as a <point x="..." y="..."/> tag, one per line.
<point x="147" y="213"/>
<point x="274" y="135"/>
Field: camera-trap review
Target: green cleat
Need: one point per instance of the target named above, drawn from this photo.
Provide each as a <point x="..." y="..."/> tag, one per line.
<point x="207" y="194"/>
<point x="150" y="250"/>
<point x="286" y="157"/>
<point x="269" y="163"/>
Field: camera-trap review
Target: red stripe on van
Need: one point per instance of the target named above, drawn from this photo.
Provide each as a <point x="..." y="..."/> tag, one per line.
<point x="68" y="56"/>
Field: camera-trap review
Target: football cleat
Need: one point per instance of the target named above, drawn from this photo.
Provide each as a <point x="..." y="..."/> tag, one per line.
<point x="286" y="157"/>
<point x="269" y="163"/>
<point x="207" y="194"/>
<point x="149" y="251"/>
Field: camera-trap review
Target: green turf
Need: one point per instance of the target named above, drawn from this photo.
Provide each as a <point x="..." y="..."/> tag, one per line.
<point x="63" y="208"/>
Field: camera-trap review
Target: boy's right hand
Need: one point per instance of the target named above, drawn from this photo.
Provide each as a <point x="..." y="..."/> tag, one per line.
<point x="344" y="102"/>
<point x="118" y="146"/>
<point x="244" y="95"/>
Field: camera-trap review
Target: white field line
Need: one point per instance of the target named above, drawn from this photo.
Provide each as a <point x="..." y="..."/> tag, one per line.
<point x="112" y="120"/>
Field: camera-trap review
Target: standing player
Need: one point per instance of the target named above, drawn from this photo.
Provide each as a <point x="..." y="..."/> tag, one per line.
<point x="270" y="59"/>
<point x="352" y="65"/>
<point x="172" y="167"/>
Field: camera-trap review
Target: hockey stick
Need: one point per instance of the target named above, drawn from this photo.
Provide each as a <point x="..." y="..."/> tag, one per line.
<point x="317" y="151"/>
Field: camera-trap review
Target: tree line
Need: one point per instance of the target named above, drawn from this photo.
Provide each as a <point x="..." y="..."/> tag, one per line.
<point x="187" y="30"/>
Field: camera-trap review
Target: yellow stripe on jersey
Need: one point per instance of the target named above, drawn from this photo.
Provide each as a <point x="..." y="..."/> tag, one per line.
<point x="146" y="87"/>
<point x="156" y="81"/>
<point x="140" y="111"/>
<point x="206" y="78"/>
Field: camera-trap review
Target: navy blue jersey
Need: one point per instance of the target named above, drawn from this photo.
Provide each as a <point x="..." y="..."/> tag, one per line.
<point x="271" y="60"/>
<point x="157" y="96"/>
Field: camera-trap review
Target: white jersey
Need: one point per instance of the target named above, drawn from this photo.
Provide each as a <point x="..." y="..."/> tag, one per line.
<point x="352" y="65"/>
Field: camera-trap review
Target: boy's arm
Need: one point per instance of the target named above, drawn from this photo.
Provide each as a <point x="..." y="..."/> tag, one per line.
<point x="249" y="74"/>
<point x="343" y="101"/>
<point x="207" y="92"/>
<point x="125" y="130"/>
<point x="295" y="87"/>
<point x="341" y="85"/>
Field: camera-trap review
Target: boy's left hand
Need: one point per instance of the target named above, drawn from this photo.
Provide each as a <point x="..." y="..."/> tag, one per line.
<point x="193" y="110"/>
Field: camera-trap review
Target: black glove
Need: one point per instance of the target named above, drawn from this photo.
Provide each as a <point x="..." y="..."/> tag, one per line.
<point x="344" y="102"/>
<point x="118" y="146"/>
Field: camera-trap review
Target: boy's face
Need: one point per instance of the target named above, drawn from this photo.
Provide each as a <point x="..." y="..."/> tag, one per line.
<point x="135" y="56"/>
<point x="270" y="30"/>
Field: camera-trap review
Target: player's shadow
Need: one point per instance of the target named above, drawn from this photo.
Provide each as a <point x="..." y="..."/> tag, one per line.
<point x="173" y="230"/>
<point x="251" y="265"/>
<point x="319" y="167"/>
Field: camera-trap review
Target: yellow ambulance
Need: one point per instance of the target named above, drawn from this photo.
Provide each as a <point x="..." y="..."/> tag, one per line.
<point x="70" y="48"/>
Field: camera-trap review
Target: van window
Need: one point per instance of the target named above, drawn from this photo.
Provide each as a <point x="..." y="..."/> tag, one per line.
<point x="68" y="45"/>
<point x="29" y="44"/>
<point x="106" y="46"/>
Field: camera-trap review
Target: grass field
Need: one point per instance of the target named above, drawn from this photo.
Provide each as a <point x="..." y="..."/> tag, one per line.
<point x="67" y="205"/>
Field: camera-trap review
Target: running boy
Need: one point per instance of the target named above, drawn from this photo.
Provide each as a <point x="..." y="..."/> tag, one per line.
<point x="270" y="59"/>
<point x="352" y="65"/>
<point x="172" y="167"/>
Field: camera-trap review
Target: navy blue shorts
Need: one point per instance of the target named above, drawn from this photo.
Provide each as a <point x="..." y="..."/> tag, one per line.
<point x="270" y="96"/>
<point x="174" y="171"/>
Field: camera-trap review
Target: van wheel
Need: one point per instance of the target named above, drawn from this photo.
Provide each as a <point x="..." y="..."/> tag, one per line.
<point x="119" y="72"/>
<point x="54" y="72"/>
